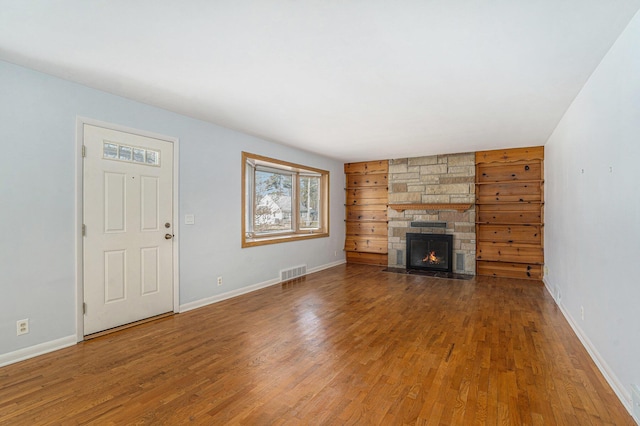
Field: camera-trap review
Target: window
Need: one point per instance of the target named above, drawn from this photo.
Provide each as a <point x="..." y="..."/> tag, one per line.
<point x="114" y="151"/>
<point x="282" y="201"/>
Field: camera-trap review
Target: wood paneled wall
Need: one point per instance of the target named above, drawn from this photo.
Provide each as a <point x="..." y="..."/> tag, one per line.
<point x="366" y="212"/>
<point x="510" y="213"/>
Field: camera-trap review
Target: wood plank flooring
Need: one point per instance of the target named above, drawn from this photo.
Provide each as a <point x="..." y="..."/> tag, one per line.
<point x="349" y="345"/>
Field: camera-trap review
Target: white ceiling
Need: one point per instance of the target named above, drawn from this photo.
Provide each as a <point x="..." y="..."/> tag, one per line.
<point x="351" y="79"/>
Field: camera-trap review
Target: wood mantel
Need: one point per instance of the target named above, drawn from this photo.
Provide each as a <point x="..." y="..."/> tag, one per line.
<point x="432" y="206"/>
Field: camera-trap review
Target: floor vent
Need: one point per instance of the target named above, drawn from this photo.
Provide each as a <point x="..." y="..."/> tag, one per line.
<point x="291" y="273"/>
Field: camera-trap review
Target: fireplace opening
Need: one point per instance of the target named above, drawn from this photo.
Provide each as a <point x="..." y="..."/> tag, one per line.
<point x="430" y="252"/>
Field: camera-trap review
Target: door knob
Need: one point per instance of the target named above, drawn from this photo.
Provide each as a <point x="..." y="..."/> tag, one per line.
<point x="168" y="236"/>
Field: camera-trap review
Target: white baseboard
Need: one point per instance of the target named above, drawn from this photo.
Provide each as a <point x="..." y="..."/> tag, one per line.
<point x="40" y="349"/>
<point x="326" y="266"/>
<point x="550" y="290"/>
<point x="244" y="290"/>
<point x="224" y="296"/>
<point x="618" y="388"/>
<point x="54" y="345"/>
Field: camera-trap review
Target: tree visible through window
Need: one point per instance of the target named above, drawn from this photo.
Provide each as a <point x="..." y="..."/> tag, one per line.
<point x="273" y="202"/>
<point x="282" y="201"/>
<point x="309" y="201"/>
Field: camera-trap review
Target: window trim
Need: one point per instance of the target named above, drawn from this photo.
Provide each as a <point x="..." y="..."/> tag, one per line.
<point x="296" y="170"/>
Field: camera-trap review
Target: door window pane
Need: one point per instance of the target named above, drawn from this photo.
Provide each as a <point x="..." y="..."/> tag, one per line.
<point x="138" y="155"/>
<point x="114" y="151"/>
<point x="153" y="157"/>
<point x="124" y="153"/>
<point x="110" y="150"/>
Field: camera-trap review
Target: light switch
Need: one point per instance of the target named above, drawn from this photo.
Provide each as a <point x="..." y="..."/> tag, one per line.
<point x="189" y="219"/>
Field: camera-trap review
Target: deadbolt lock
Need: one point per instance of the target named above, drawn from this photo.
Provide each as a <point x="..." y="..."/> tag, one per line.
<point x="167" y="225"/>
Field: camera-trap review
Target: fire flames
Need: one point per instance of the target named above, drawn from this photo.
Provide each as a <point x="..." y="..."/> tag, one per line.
<point x="431" y="258"/>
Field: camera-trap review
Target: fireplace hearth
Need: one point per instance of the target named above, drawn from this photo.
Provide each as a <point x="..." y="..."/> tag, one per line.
<point x="430" y="252"/>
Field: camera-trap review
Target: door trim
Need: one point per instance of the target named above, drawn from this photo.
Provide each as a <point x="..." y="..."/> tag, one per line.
<point x="80" y="122"/>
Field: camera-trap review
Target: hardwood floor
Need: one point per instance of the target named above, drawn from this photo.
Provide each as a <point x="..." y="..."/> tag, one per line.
<point x="349" y="345"/>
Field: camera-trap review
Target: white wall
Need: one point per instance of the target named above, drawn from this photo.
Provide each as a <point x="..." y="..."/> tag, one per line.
<point x="37" y="195"/>
<point x="592" y="231"/>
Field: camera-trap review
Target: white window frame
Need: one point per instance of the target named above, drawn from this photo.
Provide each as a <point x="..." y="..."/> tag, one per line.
<point x="253" y="162"/>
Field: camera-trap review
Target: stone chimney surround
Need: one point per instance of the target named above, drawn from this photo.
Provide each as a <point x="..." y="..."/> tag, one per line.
<point x="433" y="180"/>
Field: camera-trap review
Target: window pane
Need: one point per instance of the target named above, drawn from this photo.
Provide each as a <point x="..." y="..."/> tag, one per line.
<point x="138" y="155"/>
<point x="309" y="202"/>
<point x="124" y="153"/>
<point x="282" y="201"/>
<point x="110" y="150"/>
<point x="273" y="202"/>
<point x="152" y="157"/>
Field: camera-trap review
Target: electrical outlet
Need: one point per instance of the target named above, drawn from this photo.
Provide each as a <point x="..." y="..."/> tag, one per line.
<point x="219" y="280"/>
<point x="22" y="327"/>
<point x="582" y="312"/>
<point x="546" y="270"/>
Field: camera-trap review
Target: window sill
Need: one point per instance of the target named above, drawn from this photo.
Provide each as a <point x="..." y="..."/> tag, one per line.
<point x="275" y="239"/>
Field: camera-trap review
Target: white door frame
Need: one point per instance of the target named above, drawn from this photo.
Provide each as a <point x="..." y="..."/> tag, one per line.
<point x="80" y="122"/>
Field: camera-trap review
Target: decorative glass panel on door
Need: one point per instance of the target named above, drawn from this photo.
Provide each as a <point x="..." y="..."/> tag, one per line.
<point x="124" y="153"/>
<point x="110" y="150"/>
<point x="114" y="151"/>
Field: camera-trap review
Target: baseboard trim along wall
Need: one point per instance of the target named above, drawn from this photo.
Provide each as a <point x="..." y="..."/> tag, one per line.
<point x="54" y="345"/>
<point x="244" y="290"/>
<point x="621" y="392"/>
<point x="39" y="349"/>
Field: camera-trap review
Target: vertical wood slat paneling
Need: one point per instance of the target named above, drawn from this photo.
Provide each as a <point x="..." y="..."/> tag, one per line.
<point x="355" y="181"/>
<point x="510" y="213"/>
<point x="510" y="270"/>
<point x="528" y="234"/>
<point x="366" y="258"/>
<point x="378" y="229"/>
<point x="522" y="213"/>
<point x="520" y="171"/>
<point x="511" y="155"/>
<point x="366" y="212"/>
<point x="367" y="167"/>
<point x="366" y="244"/>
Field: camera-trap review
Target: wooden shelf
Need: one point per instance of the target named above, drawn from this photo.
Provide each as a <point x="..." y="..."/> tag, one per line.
<point x="365" y="221"/>
<point x="493" y="202"/>
<point x="512" y="223"/>
<point x="500" y="182"/>
<point x="431" y="206"/>
<point x="509" y="213"/>
<point x="499" y="261"/>
<point x="367" y="195"/>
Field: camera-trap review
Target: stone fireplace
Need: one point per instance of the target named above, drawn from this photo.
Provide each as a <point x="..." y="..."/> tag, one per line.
<point x="440" y="179"/>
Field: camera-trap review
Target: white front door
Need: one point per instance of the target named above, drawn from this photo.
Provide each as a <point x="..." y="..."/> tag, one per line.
<point x="127" y="214"/>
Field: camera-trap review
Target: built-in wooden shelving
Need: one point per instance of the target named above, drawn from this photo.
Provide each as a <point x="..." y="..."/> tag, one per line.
<point x="510" y="213"/>
<point x="431" y="206"/>
<point x="367" y="197"/>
